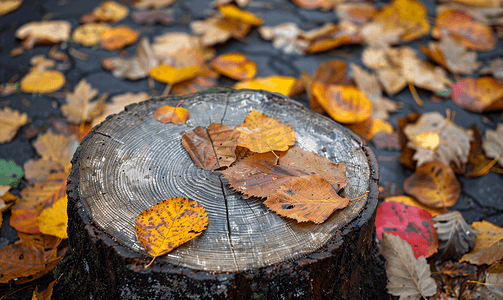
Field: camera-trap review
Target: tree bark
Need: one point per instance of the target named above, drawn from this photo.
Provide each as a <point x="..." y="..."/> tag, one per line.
<point x="131" y="162"/>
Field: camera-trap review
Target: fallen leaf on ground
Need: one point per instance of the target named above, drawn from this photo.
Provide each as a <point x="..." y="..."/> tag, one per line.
<point x="409" y="277"/>
<point x="11" y="121"/>
<point x="56" y="148"/>
<point x="118" y="104"/>
<point x="455" y="236"/>
<point x="275" y="84"/>
<point x="151" y="17"/>
<point x="54" y="220"/>
<point x="457" y="279"/>
<point x="258" y="174"/>
<point x="46" y="294"/>
<point x="118" y="37"/>
<point x="169" y="224"/>
<point x="173" y="75"/>
<point x="306" y="198"/>
<point x="78" y="107"/>
<point x="142" y="4"/>
<point x="42" y="62"/>
<point x="433" y="184"/>
<point x="170" y="114"/>
<point x="107" y="11"/>
<point x="478" y="95"/>
<point x="357" y="13"/>
<point x="437" y="138"/>
<point x="219" y="29"/>
<point x="463" y="29"/>
<point x="345" y="33"/>
<point x="240" y="3"/>
<point x="11" y="173"/>
<point x="488" y="244"/>
<point x="234" y="65"/>
<point x="411" y="223"/>
<point x="493" y="143"/>
<point x="36" y="170"/>
<point x="260" y="133"/>
<point x="182" y="48"/>
<point x="205" y="78"/>
<point x="407" y="200"/>
<point x="211" y="148"/>
<point x="89" y="34"/>
<point x="315" y="4"/>
<point x="42" y="81"/>
<point x="345" y="104"/>
<point x="495" y="68"/>
<point x="286" y="36"/>
<point x="45" y="32"/>
<point x="231" y="11"/>
<point x="40" y="240"/>
<point x="453" y="56"/>
<point x="9" y="5"/>
<point x="370" y="127"/>
<point x="493" y="287"/>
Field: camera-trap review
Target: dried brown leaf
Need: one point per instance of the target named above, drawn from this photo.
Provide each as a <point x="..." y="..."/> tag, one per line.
<point x="79" y="108"/>
<point x="455" y="236"/>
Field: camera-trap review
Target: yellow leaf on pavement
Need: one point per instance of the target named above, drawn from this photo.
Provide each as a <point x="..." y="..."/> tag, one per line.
<point x="54" y="220"/>
<point x="42" y="81"/>
<point x="10" y="122"/>
<point x="231" y="11"/>
<point x="261" y="134"/>
<point x="169" y="224"/>
<point x="89" y="34"/>
<point x="275" y="84"/>
<point x="171" y="75"/>
<point x="235" y="66"/>
<point x="488" y="244"/>
<point x="118" y="37"/>
<point x="110" y="11"/>
<point x="9" y="5"/>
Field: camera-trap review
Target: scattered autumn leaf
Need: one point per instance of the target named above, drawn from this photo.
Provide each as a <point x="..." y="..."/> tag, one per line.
<point x="456" y="279"/>
<point x="345" y="104"/>
<point x="118" y="37"/>
<point x="437" y="138"/>
<point x="383" y="140"/>
<point x="56" y="148"/>
<point x="36" y="170"/>
<point x="150" y="17"/>
<point x="368" y="128"/>
<point x="306" y="198"/>
<point x="173" y="75"/>
<point x="411" y="223"/>
<point x="219" y="29"/>
<point x="184" y="49"/>
<point x="118" y="104"/>
<point x="479" y="95"/>
<point x="345" y="33"/>
<point x="46" y="294"/>
<point x="78" y="107"/>
<point x="89" y="34"/>
<point x="45" y="31"/>
<point x="10" y="173"/>
<point x="54" y="220"/>
<point x="107" y="11"/>
<point x="488" y="244"/>
<point x="260" y="133"/>
<point x="455" y="235"/>
<point x="409" y="277"/>
<point x="493" y="287"/>
<point x="433" y="184"/>
<point x="231" y="11"/>
<point x="258" y="174"/>
<point x="275" y="84"/>
<point x="463" y="29"/>
<point x="211" y="148"/>
<point x="235" y="66"/>
<point x="9" y="5"/>
<point x="453" y="56"/>
<point x="170" y="114"/>
<point x="11" y="121"/>
<point x="205" y="78"/>
<point x="495" y="68"/>
<point x="406" y="200"/>
<point x="169" y="224"/>
<point x="286" y="36"/>
<point x="493" y="143"/>
<point x="42" y="81"/>
<point x="315" y="4"/>
<point x="142" y="4"/>
<point x="356" y="12"/>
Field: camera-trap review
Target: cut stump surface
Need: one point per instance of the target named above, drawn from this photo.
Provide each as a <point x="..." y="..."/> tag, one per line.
<point x="131" y="161"/>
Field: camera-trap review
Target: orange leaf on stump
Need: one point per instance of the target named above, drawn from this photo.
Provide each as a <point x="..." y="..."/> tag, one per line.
<point x="170" y="114"/>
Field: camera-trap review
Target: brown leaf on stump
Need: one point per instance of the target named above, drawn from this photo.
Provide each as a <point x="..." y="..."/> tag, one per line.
<point x="258" y="174"/>
<point x="211" y="148"/>
<point x="433" y="184"/>
<point x="306" y="198"/>
<point x="479" y="95"/>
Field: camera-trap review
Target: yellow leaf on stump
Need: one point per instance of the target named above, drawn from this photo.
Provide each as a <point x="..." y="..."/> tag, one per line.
<point x="54" y="220"/>
<point x="169" y="224"/>
<point x="261" y="134"/>
<point x="172" y="75"/>
<point x="275" y="84"/>
<point x="170" y="114"/>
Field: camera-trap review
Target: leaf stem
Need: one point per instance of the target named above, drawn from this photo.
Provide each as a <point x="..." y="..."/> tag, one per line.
<point x="415" y="94"/>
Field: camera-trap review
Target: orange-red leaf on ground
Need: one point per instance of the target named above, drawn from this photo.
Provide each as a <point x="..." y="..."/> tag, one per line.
<point x="258" y="174"/>
<point x="170" y="114"/>
<point x="235" y="66"/>
<point x="479" y="95"/>
<point x="211" y="148"/>
<point x="463" y="29"/>
<point x="329" y="72"/>
<point x="231" y="11"/>
<point x="204" y="79"/>
<point x="406" y="200"/>
<point x="368" y="128"/>
<point x="275" y="84"/>
<point x="433" y="184"/>
<point x="118" y="37"/>
<point x="315" y="4"/>
<point x="35" y="199"/>
<point x="169" y="224"/>
<point x="260" y="134"/>
<point x="54" y="220"/>
<point x="172" y="75"/>
<point x="345" y="104"/>
<point x="306" y="198"/>
<point x="488" y="246"/>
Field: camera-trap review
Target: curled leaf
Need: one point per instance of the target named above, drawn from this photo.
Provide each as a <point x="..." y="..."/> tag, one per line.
<point x="455" y="236"/>
<point x="170" y="114"/>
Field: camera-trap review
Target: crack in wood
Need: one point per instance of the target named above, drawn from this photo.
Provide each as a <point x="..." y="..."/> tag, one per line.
<point x="225" y="109"/>
<point x="111" y="137"/>
<point x="229" y="236"/>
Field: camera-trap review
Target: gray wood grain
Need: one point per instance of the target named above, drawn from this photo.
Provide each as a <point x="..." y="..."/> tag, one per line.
<point x="133" y="162"/>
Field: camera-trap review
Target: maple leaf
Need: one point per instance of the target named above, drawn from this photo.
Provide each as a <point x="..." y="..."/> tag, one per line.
<point x="411" y="223"/>
<point x="258" y="174"/>
<point x="169" y="224"/>
<point x="455" y="235"/>
<point x="36" y="170"/>
<point x="78" y="107"/>
<point x="118" y="104"/>
<point x="408" y="277"/>
<point x="452" y="55"/>
<point x="479" y="95"/>
<point x="433" y="184"/>
<point x="488" y="244"/>
<point x="11" y="121"/>
<point x="219" y="29"/>
<point x="56" y="148"/>
<point x="493" y="143"/>
<point x="211" y="148"/>
<point x="306" y="198"/>
<point x="275" y="84"/>
<point x="260" y="133"/>
<point x="437" y="138"/>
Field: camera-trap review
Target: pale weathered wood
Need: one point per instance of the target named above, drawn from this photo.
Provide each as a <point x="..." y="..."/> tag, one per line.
<point x="131" y="162"/>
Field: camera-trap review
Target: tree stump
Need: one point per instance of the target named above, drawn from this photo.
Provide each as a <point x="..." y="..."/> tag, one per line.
<point x="131" y="161"/>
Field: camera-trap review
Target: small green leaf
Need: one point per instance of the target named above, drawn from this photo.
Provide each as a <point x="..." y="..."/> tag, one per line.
<point x="444" y="93"/>
<point x="10" y="173"/>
